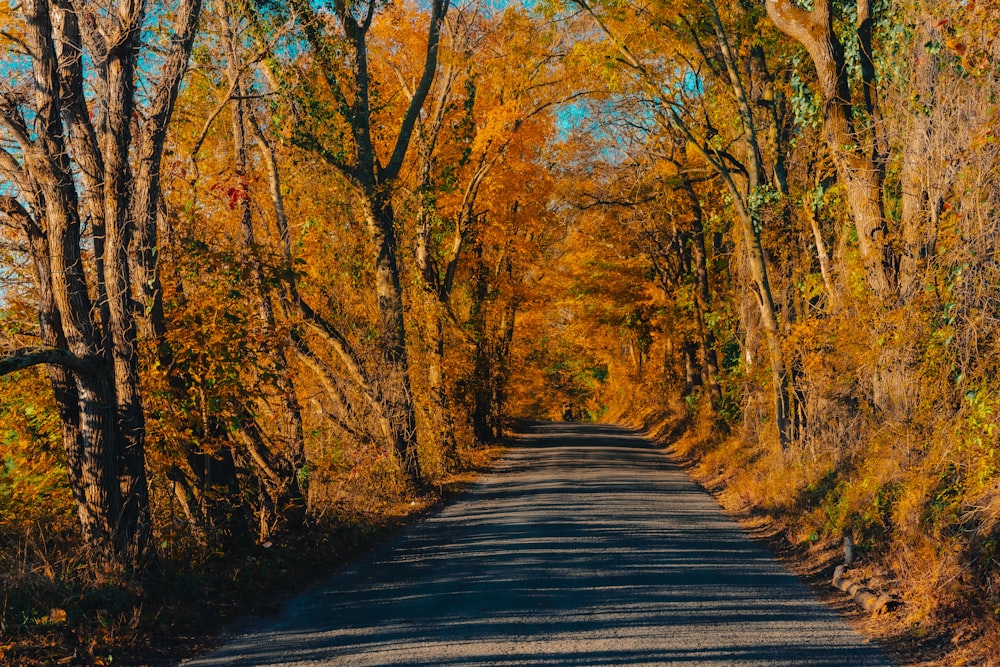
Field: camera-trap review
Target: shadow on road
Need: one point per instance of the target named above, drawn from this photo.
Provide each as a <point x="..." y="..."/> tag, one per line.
<point x="586" y="547"/>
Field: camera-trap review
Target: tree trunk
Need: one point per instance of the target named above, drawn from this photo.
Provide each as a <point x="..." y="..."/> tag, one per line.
<point x="919" y="208"/>
<point x="396" y="392"/>
<point x="482" y="395"/>
<point x="769" y="321"/>
<point x="375" y="180"/>
<point x="749" y="227"/>
<point x="860" y="174"/>
<point x="703" y="296"/>
<point x="501" y="365"/>
<point x="833" y="294"/>
<point x="436" y="378"/>
<point x="95" y="377"/>
<point x="436" y="296"/>
<point x="119" y="227"/>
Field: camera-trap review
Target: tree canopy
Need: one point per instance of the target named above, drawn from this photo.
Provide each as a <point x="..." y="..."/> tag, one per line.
<point x="266" y="267"/>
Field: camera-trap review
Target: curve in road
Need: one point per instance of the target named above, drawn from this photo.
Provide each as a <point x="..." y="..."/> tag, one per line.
<point x="587" y="546"/>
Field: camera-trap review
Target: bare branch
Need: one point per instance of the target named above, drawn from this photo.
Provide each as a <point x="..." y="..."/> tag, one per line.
<point x="26" y="357"/>
<point x="391" y="170"/>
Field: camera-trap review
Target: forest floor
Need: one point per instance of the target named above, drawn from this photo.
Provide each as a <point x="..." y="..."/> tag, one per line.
<point x="586" y="546"/>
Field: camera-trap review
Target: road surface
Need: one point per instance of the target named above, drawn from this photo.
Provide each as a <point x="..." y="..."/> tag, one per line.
<point x="587" y="546"/>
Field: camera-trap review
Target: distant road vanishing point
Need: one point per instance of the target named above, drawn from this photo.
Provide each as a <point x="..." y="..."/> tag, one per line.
<point x="587" y="546"/>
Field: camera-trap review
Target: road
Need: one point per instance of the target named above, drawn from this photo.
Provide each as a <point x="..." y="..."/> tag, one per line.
<point x="587" y="546"/>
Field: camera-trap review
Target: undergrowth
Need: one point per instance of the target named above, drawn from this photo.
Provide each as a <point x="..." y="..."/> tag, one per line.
<point x="53" y="612"/>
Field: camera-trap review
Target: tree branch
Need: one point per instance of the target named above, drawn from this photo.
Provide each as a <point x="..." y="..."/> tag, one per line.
<point x="628" y="57"/>
<point x="27" y="357"/>
<point x="15" y="210"/>
<point x="391" y="170"/>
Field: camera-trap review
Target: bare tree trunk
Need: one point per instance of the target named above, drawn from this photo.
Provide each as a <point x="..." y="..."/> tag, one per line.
<point x="93" y="353"/>
<point x="860" y="173"/>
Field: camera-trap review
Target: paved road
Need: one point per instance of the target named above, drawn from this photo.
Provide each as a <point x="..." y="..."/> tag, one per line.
<point x="586" y="547"/>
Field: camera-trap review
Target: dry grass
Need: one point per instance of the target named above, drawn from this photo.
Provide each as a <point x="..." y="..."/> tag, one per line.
<point x="52" y="613"/>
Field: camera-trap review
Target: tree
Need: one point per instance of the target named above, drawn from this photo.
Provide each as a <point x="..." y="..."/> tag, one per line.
<point x="680" y="101"/>
<point x="860" y="163"/>
<point x="82" y="172"/>
<point x="350" y="84"/>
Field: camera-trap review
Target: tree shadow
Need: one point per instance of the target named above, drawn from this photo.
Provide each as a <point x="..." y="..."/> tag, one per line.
<point x="587" y="547"/>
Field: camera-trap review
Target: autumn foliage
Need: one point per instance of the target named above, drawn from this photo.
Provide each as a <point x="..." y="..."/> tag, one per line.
<point x="786" y="231"/>
<point x="326" y="252"/>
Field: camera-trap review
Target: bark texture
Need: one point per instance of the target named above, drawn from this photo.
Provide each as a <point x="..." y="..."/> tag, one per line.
<point x="861" y="170"/>
<point x="67" y="168"/>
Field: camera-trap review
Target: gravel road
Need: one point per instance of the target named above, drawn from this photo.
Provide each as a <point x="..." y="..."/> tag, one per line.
<point x="585" y="547"/>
